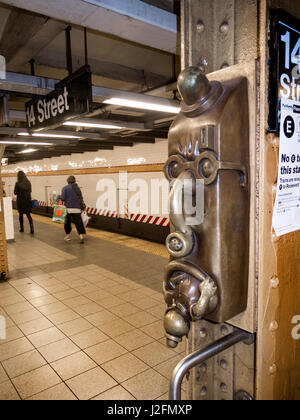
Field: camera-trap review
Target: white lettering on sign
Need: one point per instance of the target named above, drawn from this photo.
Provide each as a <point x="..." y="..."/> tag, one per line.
<point x="289" y="88"/>
<point x="296" y="330"/>
<point x="48" y="109"/>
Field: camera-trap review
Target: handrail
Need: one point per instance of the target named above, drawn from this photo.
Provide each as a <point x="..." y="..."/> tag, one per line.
<point x="201" y="356"/>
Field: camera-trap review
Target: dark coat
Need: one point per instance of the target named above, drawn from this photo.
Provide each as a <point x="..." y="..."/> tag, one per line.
<point x="72" y="196"/>
<point x="23" y="193"/>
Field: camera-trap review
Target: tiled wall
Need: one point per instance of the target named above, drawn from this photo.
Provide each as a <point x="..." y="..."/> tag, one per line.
<point x="139" y="154"/>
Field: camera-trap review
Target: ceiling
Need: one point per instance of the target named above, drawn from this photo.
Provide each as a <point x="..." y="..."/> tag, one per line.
<point x="34" y="44"/>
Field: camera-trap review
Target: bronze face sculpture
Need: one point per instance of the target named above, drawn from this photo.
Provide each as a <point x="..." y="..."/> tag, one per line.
<point x="207" y="274"/>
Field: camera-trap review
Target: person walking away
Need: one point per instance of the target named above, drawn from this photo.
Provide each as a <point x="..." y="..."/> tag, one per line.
<point x="72" y="196"/>
<point x="23" y="193"/>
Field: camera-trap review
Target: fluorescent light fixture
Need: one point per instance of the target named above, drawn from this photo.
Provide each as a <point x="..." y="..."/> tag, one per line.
<point x="33" y="143"/>
<point x="59" y="136"/>
<point x="28" y="150"/>
<point x="93" y="125"/>
<point x="143" y="105"/>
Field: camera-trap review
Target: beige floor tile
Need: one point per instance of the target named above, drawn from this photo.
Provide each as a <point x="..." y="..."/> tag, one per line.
<point x="124" y="367"/>
<point x="3" y="376"/>
<point x="53" y="308"/>
<point x="18" y="307"/>
<point x="144" y="302"/>
<point x="58" y="350"/>
<point x="56" y="288"/>
<point x="115" y="328"/>
<point x="117" y="393"/>
<point x="91" y="383"/>
<point x="154" y="353"/>
<point x="62" y="317"/>
<point x="105" y="351"/>
<point x="89" y="338"/>
<point x="147" y="385"/>
<point x="34" y="293"/>
<point x="75" y="327"/>
<point x="75" y="302"/>
<point x="42" y="338"/>
<point x="73" y="365"/>
<point x="42" y="301"/>
<point x="26" y="316"/>
<point x="101" y="318"/>
<point x="158" y="311"/>
<point x="88" y="309"/>
<point x="140" y="319"/>
<point x="8" y="392"/>
<point x="59" y="392"/>
<point x="11" y="333"/>
<point x="23" y="363"/>
<point x="14" y="348"/>
<point x="125" y="310"/>
<point x="67" y="294"/>
<point x="133" y="340"/>
<point x="38" y="380"/>
<point x="10" y="300"/>
<point x="36" y="325"/>
<point x="166" y="368"/>
<point x="155" y="330"/>
<point x="111" y="302"/>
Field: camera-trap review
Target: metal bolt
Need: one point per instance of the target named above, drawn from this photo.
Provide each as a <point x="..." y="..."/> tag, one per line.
<point x="224" y="27"/>
<point x="273" y="369"/>
<point x="223" y="387"/>
<point x="203" y="391"/>
<point x="224" y="330"/>
<point x="203" y="367"/>
<point x="200" y="26"/>
<point x="223" y="364"/>
<point x="274" y="282"/>
<point x="224" y="65"/>
<point x="203" y="333"/>
<point x="273" y="326"/>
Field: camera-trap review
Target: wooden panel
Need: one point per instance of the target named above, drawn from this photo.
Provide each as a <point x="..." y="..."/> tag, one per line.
<point x="90" y="171"/>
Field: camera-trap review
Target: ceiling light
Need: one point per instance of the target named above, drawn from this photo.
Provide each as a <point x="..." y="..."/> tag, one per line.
<point x="25" y="142"/>
<point x="28" y="151"/>
<point x="93" y="125"/>
<point x="143" y="105"/>
<point x="61" y="136"/>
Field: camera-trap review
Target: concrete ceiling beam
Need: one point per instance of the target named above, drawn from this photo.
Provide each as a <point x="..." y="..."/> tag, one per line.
<point x="132" y="20"/>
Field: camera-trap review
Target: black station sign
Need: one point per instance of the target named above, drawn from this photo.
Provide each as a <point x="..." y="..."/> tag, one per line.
<point x="72" y="97"/>
<point x="284" y="63"/>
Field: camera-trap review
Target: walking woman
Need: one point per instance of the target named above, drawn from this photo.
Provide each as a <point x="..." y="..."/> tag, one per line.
<point x="72" y="196"/>
<point x="23" y="193"/>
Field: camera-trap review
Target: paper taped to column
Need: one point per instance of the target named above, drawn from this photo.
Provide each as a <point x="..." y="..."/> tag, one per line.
<point x="286" y="214"/>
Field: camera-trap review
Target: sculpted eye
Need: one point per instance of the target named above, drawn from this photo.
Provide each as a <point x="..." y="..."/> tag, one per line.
<point x="174" y="169"/>
<point x="206" y="168"/>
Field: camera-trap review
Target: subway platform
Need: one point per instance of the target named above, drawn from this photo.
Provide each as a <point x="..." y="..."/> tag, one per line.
<point x="84" y="321"/>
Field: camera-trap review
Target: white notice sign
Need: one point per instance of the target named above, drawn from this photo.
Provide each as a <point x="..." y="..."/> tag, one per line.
<point x="286" y="215"/>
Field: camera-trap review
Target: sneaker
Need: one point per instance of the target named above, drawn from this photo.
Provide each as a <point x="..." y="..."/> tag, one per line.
<point x="67" y="238"/>
<point x="81" y="240"/>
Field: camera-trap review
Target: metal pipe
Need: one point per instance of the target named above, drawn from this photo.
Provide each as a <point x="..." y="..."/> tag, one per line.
<point x="201" y="356"/>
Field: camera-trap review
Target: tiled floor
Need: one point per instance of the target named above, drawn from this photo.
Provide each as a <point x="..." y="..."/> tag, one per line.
<point x="83" y="321"/>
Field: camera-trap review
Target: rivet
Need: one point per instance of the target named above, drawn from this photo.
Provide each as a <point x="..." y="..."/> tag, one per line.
<point x="200" y="26"/>
<point x="203" y="367"/>
<point x="272" y="369"/>
<point x="223" y="364"/>
<point x="224" y="65"/>
<point x="274" y="282"/>
<point x="274" y="189"/>
<point x="224" y="330"/>
<point x="223" y="387"/>
<point x="203" y="391"/>
<point x="203" y="333"/>
<point x="224" y="27"/>
<point x="273" y="326"/>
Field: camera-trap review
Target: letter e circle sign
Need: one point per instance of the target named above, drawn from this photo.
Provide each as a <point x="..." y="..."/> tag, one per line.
<point x="289" y="127"/>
